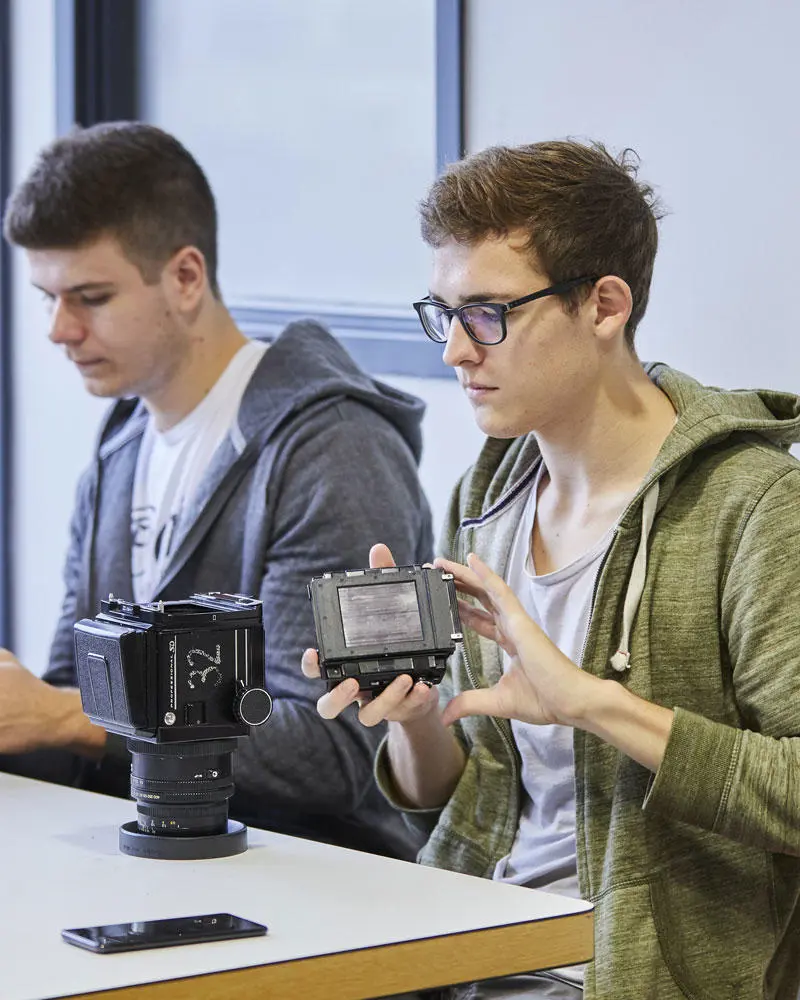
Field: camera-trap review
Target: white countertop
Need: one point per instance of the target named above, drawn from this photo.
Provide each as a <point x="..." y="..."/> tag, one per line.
<point x="60" y="866"/>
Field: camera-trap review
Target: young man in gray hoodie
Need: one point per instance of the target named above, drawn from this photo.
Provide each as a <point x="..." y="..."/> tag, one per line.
<point x="224" y="465"/>
<point x="640" y="626"/>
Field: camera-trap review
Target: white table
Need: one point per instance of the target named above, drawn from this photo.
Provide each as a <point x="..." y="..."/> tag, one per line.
<point x="342" y="924"/>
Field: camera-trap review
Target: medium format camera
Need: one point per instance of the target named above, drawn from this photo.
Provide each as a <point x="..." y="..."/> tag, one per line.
<point x="374" y="624"/>
<point x="183" y="680"/>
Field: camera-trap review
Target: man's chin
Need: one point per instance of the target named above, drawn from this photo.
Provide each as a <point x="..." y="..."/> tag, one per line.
<point x="497" y="426"/>
<point x="102" y="388"/>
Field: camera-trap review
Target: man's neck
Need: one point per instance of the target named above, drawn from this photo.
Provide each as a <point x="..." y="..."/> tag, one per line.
<point x="214" y="341"/>
<point x="595" y="464"/>
<point x="610" y="439"/>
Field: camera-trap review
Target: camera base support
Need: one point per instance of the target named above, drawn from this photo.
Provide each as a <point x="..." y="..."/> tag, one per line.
<point x="150" y="845"/>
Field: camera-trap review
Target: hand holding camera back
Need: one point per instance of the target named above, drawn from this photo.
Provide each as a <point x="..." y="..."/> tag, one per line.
<point x="401" y="701"/>
<point x="427" y="760"/>
<point x="376" y="624"/>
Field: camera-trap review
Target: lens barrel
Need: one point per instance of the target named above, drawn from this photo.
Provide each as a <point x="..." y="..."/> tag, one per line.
<point x="182" y="792"/>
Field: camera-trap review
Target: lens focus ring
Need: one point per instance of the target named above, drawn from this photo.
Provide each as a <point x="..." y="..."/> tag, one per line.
<point x="182" y="789"/>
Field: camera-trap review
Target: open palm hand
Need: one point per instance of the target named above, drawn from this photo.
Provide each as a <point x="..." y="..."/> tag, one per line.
<point x="541" y="685"/>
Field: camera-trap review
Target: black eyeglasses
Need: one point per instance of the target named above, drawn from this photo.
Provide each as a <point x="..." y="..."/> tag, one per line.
<point x="483" y="322"/>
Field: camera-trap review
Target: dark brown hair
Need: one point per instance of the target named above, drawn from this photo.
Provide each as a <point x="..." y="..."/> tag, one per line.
<point x="584" y="211"/>
<point x="123" y="179"/>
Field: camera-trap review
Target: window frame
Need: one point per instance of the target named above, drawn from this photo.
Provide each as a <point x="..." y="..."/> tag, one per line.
<point x="6" y="344"/>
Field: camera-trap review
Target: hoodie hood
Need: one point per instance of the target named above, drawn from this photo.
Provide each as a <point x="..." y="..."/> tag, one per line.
<point x="706" y="418"/>
<point x="707" y="415"/>
<point x="304" y="367"/>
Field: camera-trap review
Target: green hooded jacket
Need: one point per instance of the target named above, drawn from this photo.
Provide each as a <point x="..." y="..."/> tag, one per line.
<point x="694" y="872"/>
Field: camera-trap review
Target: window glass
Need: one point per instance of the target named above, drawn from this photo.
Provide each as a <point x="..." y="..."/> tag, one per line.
<point x="315" y="123"/>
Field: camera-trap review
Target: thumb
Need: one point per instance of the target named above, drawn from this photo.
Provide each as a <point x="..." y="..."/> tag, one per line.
<point x="380" y="556"/>
<point x="309" y="663"/>
<point x="481" y="702"/>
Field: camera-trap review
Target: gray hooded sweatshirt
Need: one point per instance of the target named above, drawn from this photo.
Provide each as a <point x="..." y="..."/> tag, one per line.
<point x="320" y="465"/>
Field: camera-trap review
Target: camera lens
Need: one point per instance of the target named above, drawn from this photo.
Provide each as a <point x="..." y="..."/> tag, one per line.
<point x="182" y="789"/>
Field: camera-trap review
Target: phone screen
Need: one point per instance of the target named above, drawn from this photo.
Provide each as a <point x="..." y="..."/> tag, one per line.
<point x="162" y="933"/>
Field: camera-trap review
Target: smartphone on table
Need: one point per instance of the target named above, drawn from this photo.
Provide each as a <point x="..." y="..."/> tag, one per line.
<point x="109" y="938"/>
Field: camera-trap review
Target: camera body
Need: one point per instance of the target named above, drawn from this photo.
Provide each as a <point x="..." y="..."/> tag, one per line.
<point x="183" y="680"/>
<point x="375" y="624"/>
<point x="174" y="671"/>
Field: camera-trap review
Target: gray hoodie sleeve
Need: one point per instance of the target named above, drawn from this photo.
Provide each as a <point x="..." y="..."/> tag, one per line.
<point x="345" y="480"/>
<point x="61" y="666"/>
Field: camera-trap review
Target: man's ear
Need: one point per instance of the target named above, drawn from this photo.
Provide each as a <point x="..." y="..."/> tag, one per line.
<point x="187" y="278"/>
<point x="613" y="305"/>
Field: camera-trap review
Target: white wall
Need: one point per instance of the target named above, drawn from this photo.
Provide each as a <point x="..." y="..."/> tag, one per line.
<point x="315" y="124"/>
<point x="706" y="92"/>
<point x="54" y="419"/>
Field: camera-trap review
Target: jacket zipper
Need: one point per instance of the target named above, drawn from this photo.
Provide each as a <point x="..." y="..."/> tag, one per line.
<point x="599" y="573"/>
<point x="595" y="588"/>
<point x="508" y="743"/>
<point x="473" y="681"/>
<point x="502" y="502"/>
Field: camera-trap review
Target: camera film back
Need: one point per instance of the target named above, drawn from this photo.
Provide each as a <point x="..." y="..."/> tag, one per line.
<point x="375" y="624"/>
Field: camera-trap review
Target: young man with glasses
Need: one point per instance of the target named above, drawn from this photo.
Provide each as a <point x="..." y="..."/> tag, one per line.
<point x="640" y="626"/>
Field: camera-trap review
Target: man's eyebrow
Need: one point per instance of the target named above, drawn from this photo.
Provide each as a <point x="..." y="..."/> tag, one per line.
<point x="86" y="286"/>
<point x="476" y="297"/>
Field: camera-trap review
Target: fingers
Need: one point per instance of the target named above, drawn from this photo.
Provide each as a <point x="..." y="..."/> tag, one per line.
<point x="333" y="703"/>
<point x="483" y="701"/>
<point x="8" y="659"/>
<point x="309" y="663"/>
<point x="387" y="703"/>
<point x="466" y="581"/>
<point x="476" y="579"/>
<point x="514" y="623"/>
<point x="478" y="620"/>
<point x="401" y="701"/>
<point x="498" y="591"/>
<point x="380" y="556"/>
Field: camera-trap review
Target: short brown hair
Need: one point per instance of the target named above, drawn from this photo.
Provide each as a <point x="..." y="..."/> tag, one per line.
<point x="585" y="212"/>
<point x="124" y="179"/>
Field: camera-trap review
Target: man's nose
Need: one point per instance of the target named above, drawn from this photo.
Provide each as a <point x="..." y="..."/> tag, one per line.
<point x="460" y="348"/>
<point x="65" y="328"/>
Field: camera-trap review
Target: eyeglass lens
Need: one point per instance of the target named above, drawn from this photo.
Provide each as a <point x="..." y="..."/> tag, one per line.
<point x="481" y="322"/>
<point x="485" y="324"/>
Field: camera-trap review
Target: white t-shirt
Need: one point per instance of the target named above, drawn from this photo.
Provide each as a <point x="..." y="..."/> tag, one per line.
<point x="171" y="465"/>
<point x="543" y="855"/>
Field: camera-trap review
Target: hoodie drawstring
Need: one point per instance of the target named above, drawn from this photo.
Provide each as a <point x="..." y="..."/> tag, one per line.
<point x="621" y="660"/>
